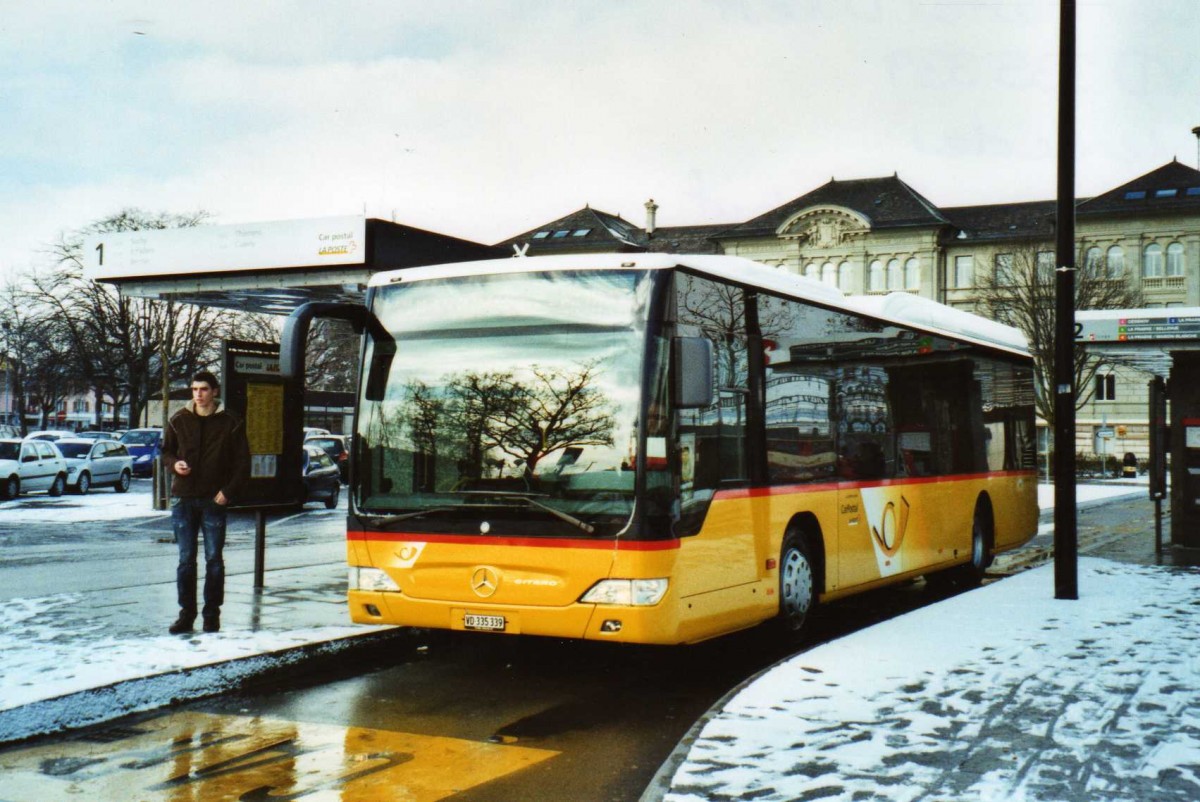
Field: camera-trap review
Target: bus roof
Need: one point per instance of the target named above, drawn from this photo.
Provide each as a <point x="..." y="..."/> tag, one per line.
<point x="900" y="308"/>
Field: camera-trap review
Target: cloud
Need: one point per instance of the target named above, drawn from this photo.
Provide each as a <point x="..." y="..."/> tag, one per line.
<point x="484" y="119"/>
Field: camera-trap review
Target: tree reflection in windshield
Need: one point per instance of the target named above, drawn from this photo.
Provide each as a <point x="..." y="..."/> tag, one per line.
<point x="499" y="414"/>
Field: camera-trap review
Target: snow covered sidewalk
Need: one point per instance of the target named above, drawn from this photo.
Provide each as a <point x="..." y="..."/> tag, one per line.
<point x="80" y="658"/>
<point x="1000" y="693"/>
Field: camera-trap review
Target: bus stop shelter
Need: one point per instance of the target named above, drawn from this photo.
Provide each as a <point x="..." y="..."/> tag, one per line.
<point x="271" y="268"/>
<point x="1164" y="343"/>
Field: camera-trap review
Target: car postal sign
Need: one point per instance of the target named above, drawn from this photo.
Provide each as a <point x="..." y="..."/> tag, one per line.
<point x="280" y="244"/>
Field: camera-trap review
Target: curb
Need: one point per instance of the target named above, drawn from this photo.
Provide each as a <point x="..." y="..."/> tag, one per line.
<point x="105" y="703"/>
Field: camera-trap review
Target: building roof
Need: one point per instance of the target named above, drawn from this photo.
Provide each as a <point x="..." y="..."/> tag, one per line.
<point x="590" y="230"/>
<point x="1032" y="220"/>
<point x="1172" y="187"/>
<point x="684" y="239"/>
<point x="585" y="230"/>
<point x="885" y="202"/>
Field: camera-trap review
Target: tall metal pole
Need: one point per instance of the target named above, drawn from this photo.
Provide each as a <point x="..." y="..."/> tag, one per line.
<point x="1066" y="584"/>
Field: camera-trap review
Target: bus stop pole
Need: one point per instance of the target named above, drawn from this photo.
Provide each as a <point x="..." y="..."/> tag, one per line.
<point x="260" y="547"/>
<point x="1065" y="522"/>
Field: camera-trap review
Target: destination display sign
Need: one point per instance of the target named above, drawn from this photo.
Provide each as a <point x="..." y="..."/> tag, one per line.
<point x="316" y="242"/>
<point x="1138" y="329"/>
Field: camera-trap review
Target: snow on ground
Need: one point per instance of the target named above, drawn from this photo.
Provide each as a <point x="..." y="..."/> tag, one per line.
<point x="87" y="658"/>
<point x="1095" y="491"/>
<point x="1031" y="698"/>
<point x="101" y="505"/>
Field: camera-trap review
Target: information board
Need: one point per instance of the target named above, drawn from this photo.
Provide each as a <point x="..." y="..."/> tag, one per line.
<point x="1138" y="329"/>
<point x="320" y="242"/>
<point x="273" y="411"/>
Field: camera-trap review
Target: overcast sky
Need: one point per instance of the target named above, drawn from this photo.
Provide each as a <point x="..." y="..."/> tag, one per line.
<point x="485" y="119"/>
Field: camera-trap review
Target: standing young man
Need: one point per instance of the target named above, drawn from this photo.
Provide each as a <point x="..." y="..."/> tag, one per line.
<point x="205" y="449"/>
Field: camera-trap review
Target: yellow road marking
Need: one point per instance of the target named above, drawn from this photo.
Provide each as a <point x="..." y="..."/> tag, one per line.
<point x="189" y="757"/>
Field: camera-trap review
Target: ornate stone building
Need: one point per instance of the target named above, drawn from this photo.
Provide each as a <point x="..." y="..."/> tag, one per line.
<point x="879" y="235"/>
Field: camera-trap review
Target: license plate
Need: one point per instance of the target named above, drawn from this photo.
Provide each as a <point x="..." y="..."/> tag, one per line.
<point x="491" y="623"/>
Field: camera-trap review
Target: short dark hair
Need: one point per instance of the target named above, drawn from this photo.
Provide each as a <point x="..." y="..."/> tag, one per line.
<point x="209" y="378"/>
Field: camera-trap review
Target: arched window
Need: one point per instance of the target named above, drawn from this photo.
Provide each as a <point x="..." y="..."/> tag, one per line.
<point x="895" y="279"/>
<point x="829" y="274"/>
<point x="812" y="271"/>
<point x="1152" y="261"/>
<point x="912" y="274"/>
<point x="1175" y="259"/>
<point x="1093" y="261"/>
<point x="845" y="280"/>
<point x="875" y="277"/>
<point x="1116" y="262"/>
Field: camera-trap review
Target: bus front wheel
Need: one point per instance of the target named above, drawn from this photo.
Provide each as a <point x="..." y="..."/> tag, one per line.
<point x="797" y="583"/>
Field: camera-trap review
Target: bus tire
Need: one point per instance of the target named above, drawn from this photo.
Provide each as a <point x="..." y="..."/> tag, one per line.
<point x="971" y="574"/>
<point x="797" y="583"/>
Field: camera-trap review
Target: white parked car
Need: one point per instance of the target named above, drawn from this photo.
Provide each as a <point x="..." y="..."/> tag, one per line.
<point x="96" y="463"/>
<point x="28" y="466"/>
<point x="49" y="434"/>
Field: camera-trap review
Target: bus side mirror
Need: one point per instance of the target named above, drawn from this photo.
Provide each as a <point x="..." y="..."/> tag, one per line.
<point x="295" y="331"/>
<point x="692" y="359"/>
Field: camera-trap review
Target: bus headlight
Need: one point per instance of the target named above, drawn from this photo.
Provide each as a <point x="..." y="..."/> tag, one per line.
<point x="627" y="592"/>
<point x="371" y="579"/>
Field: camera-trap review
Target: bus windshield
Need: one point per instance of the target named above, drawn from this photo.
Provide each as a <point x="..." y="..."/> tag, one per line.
<point x="509" y="406"/>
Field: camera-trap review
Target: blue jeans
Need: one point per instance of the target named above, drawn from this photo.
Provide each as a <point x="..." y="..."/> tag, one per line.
<point x="190" y="517"/>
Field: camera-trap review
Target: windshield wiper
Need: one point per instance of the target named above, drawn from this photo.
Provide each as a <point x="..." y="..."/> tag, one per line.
<point x="557" y="513"/>
<point x="385" y="520"/>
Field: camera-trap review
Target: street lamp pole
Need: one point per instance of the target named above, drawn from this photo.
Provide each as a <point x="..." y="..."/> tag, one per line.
<point x="1065" y="519"/>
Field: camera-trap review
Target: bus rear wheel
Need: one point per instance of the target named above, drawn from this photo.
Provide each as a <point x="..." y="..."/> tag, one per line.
<point x="970" y="574"/>
<point x="797" y="584"/>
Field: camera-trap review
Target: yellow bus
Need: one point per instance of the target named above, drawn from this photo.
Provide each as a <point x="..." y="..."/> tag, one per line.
<point x="661" y="449"/>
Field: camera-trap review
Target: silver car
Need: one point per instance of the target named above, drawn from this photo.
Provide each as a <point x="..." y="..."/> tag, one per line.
<point x="27" y="466"/>
<point x="96" y="463"/>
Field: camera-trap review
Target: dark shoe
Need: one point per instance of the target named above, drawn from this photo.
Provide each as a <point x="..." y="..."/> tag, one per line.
<point x="212" y="623"/>
<point x="182" y="624"/>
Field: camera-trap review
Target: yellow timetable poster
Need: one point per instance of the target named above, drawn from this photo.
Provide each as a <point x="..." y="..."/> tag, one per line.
<point x="264" y="427"/>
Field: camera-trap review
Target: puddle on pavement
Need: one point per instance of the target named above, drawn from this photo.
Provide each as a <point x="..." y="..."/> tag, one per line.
<point x="189" y="757"/>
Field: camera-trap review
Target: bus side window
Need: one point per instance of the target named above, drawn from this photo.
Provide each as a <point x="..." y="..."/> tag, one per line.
<point x="712" y="440"/>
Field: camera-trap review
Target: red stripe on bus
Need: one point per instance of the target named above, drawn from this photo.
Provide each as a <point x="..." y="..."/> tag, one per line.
<point x="781" y="490"/>
<point x="543" y="543"/>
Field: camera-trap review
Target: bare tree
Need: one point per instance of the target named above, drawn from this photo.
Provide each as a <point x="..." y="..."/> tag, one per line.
<point x="1021" y="292"/>
<point x="331" y="356"/>
<point x="21" y="319"/>
<point x="119" y="341"/>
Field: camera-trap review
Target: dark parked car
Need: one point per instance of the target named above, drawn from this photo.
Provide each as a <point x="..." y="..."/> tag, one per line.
<point x="322" y="481"/>
<point x="144" y="446"/>
<point x="335" y="446"/>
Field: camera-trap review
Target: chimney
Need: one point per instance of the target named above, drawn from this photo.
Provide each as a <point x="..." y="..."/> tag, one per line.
<point x="1196" y="131"/>
<point x="651" y="209"/>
